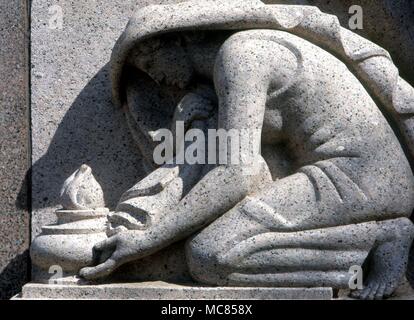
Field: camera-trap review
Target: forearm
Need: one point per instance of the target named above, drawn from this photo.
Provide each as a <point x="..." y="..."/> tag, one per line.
<point x="215" y="194"/>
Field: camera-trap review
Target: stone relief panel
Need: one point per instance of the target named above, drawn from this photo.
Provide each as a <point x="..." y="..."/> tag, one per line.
<point x="319" y="182"/>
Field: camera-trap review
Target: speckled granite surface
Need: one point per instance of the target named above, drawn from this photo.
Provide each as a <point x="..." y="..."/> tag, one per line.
<point x="14" y="146"/>
<point x="67" y="90"/>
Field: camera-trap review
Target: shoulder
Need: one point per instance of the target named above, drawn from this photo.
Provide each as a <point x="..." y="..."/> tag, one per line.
<point x="256" y="48"/>
<point x="240" y="44"/>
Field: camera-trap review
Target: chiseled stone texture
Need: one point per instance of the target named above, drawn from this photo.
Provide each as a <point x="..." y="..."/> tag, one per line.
<point x="338" y="99"/>
<point x="80" y="139"/>
<point x="166" y="291"/>
<point x="14" y="146"/>
<point x="73" y="119"/>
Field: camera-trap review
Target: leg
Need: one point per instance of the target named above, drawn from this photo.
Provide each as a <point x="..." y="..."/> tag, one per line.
<point x="287" y="237"/>
<point x="279" y="237"/>
<point x="238" y="251"/>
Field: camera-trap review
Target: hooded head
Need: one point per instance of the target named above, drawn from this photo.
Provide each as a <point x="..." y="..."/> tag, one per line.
<point x="164" y="59"/>
<point x="153" y="37"/>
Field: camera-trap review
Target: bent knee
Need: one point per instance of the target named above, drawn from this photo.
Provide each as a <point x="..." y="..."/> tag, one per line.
<point x="203" y="261"/>
<point x="400" y="226"/>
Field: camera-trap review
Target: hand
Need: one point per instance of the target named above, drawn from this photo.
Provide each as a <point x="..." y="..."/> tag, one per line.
<point x="192" y="107"/>
<point x="111" y="254"/>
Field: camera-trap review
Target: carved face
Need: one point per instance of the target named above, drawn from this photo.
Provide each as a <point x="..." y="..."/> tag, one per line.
<point x="165" y="61"/>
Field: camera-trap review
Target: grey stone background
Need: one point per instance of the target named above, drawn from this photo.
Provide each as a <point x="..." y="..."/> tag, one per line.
<point x="14" y="146"/>
<point x="73" y="119"/>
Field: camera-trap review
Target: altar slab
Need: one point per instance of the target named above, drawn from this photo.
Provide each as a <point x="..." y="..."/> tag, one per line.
<point x="167" y="291"/>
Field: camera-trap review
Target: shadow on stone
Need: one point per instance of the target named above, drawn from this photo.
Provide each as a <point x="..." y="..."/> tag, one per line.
<point x="14" y="276"/>
<point x="168" y="265"/>
<point x="93" y="132"/>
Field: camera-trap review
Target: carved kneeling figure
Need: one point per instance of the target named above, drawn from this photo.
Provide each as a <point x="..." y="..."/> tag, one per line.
<point x="332" y="187"/>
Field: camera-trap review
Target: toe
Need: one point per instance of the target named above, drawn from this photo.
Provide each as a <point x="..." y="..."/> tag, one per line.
<point x="389" y="290"/>
<point x="380" y="292"/>
<point x="373" y="291"/>
<point x="365" y="292"/>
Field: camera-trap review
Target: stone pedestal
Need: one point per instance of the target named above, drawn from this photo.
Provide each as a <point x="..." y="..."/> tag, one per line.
<point x="167" y="291"/>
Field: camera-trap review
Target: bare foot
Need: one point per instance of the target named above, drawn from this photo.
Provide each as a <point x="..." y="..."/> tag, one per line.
<point x="388" y="260"/>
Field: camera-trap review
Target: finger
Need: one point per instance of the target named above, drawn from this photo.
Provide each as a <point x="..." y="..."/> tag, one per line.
<point x="100" y="271"/>
<point x="115" y="230"/>
<point x="103" y="250"/>
<point x="106" y="244"/>
<point x="103" y="256"/>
